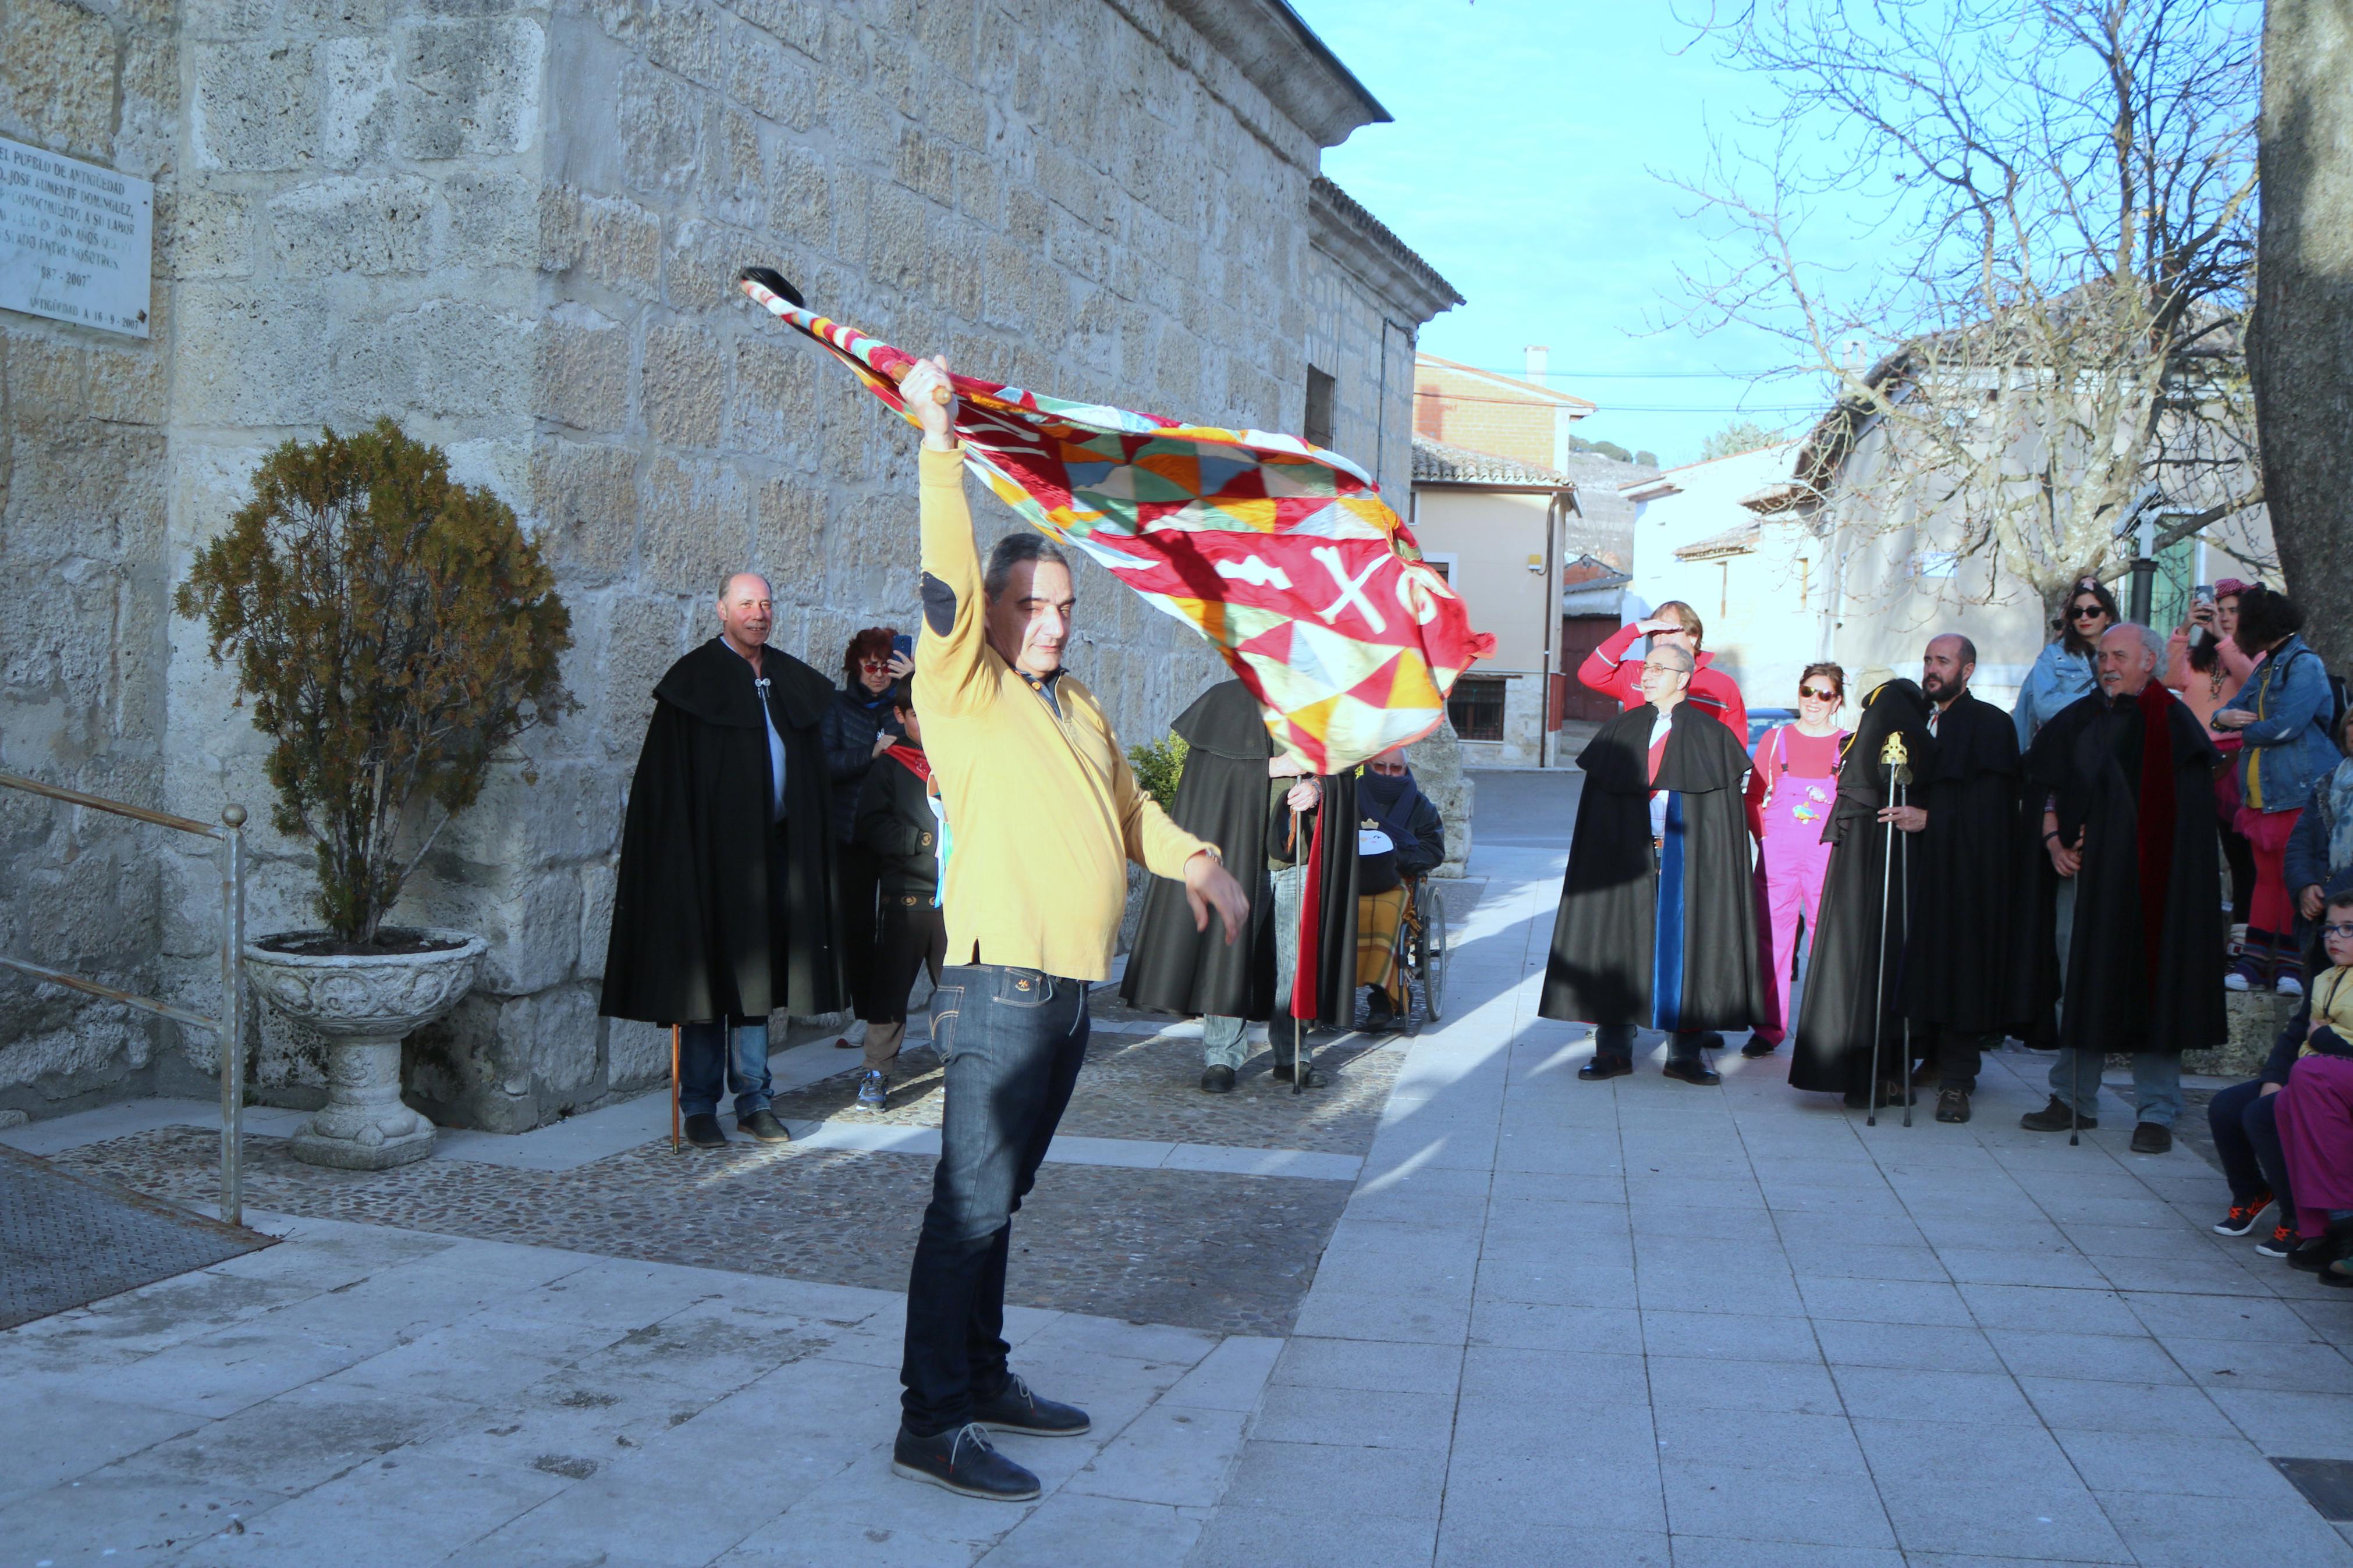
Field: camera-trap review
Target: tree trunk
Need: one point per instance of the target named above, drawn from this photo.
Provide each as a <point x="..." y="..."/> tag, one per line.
<point x="2301" y="342"/>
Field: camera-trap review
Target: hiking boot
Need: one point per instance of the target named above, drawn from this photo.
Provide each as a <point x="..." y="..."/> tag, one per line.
<point x="1952" y="1105"/>
<point x="2056" y="1118"/>
<point x="962" y="1460"/>
<point x="1694" y="1071"/>
<point x="763" y="1125"/>
<point x="2152" y="1138"/>
<point x="1217" y="1080"/>
<point x="2242" y="1216"/>
<point x="1758" y="1046"/>
<point x="1017" y="1409"/>
<point x="1602" y="1067"/>
<point x="2279" y="1244"/>
<point x="873" y="1090"/>
<point x="702" y="1130"/>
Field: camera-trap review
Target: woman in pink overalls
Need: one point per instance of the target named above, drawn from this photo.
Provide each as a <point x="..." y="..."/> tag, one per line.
<point x="1790" y="796"/>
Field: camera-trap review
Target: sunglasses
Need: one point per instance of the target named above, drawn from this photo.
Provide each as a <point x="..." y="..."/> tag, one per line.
<point x="1819" y="696"/>
<point x="2342" y="932"/>
<point x="873" y="664"/>
<point x="2086" y="612"/>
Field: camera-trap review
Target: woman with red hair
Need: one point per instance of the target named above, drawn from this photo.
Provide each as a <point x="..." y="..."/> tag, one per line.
<point x="858" y="728"/>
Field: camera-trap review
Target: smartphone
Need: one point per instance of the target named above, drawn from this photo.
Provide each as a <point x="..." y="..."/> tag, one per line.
<point x="903" y="645"/>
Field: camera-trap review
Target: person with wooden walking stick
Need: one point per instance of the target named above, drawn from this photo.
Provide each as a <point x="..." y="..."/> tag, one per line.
<point x="723" y="910"/>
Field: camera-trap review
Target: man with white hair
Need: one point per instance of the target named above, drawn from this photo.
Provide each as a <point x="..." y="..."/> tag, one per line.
<point x="723" y="907"/>
<point x="2127" y="776"/>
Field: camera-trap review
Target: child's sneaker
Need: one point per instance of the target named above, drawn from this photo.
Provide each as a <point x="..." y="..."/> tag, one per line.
<point x="2280" y="1242"/>
<point x="2243" y="1216"/>
<point x="2246" y="975"/>
<point x="2289" y="982"/>
<point x="873" y="1090"/>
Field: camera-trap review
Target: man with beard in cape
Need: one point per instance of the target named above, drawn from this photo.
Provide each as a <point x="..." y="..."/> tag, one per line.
<point x="2127" y="776"/>
<point x="1659" y="914"/>
<point x="1853" y="994"/>
<point x="1263" y="812"/>
<point x="1958" y="960"/>
<point x="725" y="907"/>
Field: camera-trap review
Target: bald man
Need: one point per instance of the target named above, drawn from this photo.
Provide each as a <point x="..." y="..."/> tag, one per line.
<point x="723" y="910"/>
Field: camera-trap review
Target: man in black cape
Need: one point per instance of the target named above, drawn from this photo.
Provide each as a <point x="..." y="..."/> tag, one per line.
<point x="723" y="910"/>
<point x="1236" y="792"/>
<point x="2127" y="776"/>
<point x="1657" y="916"/>
<point x="1958" y="965"/>
<point x="1852" y="1009"/>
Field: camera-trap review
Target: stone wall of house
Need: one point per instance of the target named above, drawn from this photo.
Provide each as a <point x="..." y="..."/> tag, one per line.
<point x="84" y="477"/>
<point x="514" y="229"/>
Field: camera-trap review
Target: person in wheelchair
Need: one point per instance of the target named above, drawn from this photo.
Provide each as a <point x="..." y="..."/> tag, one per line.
<point x="1389" y="805"/>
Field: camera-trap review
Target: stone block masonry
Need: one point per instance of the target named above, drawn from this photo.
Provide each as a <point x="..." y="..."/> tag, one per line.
<point x="514" y="228"/>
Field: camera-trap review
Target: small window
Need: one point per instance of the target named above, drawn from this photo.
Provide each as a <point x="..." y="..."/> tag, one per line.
<point x="1319" y="388"/>
<point x="1475" y="706"/>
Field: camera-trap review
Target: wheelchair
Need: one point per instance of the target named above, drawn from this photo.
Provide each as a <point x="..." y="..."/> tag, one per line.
<point x="1421" y="954"/>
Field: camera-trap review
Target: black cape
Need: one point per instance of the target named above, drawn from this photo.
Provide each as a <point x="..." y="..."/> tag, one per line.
<point x="2091" y="757"/>
<point x="707" y="922"/>
<point x="1222" y="796"/>
<point x="1845" y="988"/>
<point x="1957" y="961"/>
<point x="1665" y="941"/>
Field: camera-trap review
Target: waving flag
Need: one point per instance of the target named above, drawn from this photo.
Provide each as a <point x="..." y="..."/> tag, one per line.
<point x="1282" y="555"/>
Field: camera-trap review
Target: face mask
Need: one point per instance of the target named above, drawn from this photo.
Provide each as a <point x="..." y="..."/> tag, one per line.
<point x="1383" y="790"/>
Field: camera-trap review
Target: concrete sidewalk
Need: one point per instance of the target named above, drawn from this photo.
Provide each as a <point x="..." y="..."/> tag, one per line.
<point x="1640" y="1322"/>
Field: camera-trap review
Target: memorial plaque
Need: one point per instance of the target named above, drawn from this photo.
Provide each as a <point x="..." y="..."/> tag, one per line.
<point x="77" y="241"/>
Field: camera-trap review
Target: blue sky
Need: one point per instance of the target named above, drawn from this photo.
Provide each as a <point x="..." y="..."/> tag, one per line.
<point x="1520" y="165"/>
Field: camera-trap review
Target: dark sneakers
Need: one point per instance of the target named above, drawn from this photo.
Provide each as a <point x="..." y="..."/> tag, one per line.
<point x="763" y="1124"/>
<point x="1217" y="1080"/>
<point x="962" y="1460"/>
<point x="2242" y="1216"/>
<point x="2152" y="1138"/>
<point x="703" y="1132"/>
<point x="2279" y="1244"/>
<point x="1018" y="1410"/>
<point x="1952" y="1105"/>
<point x="2056" y="1118"/>
<point x="1695" y="1070"/>
<point x="1603" y="1066"/>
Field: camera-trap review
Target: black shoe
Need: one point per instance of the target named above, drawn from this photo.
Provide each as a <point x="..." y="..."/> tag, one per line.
<point x="2149" y="1138"/>
<point x="1314" y="1079"/>
<point x="763" y="1124"/>
<point x="2279" y="1243"/>
<point x="1694" y="1071"/>
<point x="2056" y="1118"/>
<point x="1380" y="1017"/>
<point x="2339" y="1274"/>
<point x="1952" y="1105"/>
<point x="962" y="1460"/>
<point x="1018" y="1410"/>
<point x="703" y="1130"/>
<point x="2312" y="1256"/>
<point x="1603" y="1066"/>
<point x="1217" y="1080"/>
<point x="2243" y="1216"/>
<point x="1758" y="1046"/>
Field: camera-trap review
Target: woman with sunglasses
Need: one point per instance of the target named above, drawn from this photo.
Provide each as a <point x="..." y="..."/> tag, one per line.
<point x="858" y="728"/>
<point x="2063" y="671"/>
<point x="1791" y="792"/>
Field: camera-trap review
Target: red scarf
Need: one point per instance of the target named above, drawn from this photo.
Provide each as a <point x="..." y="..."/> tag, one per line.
<point x="2154" y="822"/>
<point x="911" y="758"/>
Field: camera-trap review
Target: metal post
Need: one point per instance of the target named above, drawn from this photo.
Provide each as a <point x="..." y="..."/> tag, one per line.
<point x="230" y="1035"/>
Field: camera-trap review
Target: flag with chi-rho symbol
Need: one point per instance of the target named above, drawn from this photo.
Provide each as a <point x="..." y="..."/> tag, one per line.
<point x="1280" y="553"/>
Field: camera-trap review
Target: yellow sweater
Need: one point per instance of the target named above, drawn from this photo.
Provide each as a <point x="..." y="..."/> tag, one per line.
<point x="1043" y="811"/>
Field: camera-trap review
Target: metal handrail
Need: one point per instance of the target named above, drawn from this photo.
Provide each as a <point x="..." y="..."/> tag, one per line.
<point x="228" y="1026"/>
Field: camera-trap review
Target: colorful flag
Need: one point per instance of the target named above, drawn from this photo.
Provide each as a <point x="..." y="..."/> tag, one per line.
<point x="1282" y="555"/>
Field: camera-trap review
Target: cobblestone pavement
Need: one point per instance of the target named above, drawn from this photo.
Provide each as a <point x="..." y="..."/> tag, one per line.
<point x="1202" y="1250"/>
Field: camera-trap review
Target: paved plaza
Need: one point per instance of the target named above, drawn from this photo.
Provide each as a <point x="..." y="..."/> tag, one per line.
<point x="1459" y="1309"/>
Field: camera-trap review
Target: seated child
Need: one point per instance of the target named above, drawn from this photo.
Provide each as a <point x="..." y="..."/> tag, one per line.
<point x="2316" y="1112"/>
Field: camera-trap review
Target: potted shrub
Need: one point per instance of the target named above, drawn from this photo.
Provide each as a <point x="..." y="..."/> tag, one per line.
<point x="392" y="630"/>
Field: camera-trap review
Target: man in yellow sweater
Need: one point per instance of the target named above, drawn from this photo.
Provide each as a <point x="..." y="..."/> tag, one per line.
<point x="1044" y="816"/>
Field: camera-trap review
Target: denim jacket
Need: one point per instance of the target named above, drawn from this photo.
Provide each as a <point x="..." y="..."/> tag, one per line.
<point x="2288" y="748"/>
<point x="2058" y="678"/>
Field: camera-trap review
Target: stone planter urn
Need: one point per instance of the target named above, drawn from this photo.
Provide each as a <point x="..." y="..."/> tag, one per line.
<point x="364" y="1006"/>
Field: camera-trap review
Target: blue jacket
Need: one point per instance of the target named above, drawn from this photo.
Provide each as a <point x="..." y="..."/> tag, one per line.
<point x="2058" y="678"/>
<point x="2287" y="749"/>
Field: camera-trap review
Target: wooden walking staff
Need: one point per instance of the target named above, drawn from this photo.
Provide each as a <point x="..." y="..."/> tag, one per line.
<point x="673" y="1088"/>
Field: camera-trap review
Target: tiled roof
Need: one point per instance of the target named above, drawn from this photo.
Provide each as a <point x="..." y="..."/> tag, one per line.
<point x="1736" y="540"/>
<point x="1437" y="463"/>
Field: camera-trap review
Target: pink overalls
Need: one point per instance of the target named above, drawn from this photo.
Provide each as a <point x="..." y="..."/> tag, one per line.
<point x="1795" y="782"/>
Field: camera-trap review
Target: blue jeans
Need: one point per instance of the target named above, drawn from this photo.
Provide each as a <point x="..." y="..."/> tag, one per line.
<point x="1012" y="1040"/>
<point x="1225" y="1042"/>
<point x="704" y="1060"/>
<point x="2156" y="1084"/>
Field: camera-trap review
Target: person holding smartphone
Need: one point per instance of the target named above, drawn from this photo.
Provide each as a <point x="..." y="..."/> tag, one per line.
<point x="858" y="727"/>
<point x="2206" y="665"/>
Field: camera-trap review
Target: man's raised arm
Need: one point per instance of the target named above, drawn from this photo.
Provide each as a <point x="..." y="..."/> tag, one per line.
<point x="951" y="657"/>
